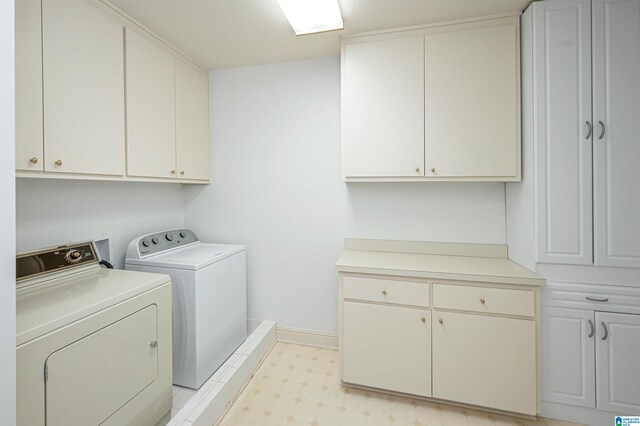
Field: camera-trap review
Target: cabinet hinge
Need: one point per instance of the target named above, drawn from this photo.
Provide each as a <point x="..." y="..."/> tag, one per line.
<point x="46" y="372"/>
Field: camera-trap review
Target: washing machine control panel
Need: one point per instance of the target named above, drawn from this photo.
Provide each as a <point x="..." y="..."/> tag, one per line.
<point x="161" y="241"/>
<point x="50" y="260"/>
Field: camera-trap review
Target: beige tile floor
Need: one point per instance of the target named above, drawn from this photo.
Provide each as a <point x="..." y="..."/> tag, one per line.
<point x="299" y="385"/>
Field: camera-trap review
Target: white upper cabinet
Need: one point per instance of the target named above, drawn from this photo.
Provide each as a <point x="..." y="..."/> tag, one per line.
<point x="151" y="115"/>
<point x="472" y="108"/>
<point x="29" y="144"/>
<point x="192" y="122"/>
<point x="586" y="98"/>
<point x="441" y="102"/>
<point x="83" y="63"/>
<point x="100" y="97"/>
<point x="616" y="98"/>
<point x="564" y="130"/>
<point x="383" y="108"/>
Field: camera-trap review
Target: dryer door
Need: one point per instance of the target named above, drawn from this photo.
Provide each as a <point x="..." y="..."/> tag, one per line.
<point x="92" y="378"/>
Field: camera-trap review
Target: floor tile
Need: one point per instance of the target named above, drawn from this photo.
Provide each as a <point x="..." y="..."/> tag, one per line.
<point x="299" y="385"/>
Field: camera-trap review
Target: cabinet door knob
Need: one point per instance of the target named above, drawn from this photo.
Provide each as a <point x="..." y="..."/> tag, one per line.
<point x="603" y="129"/>
<point x="173" y="172"/>
<point x="433" y="170"/>
<point x="34" y="160"/>
<point x="482" y="300"/>
<point x="58" y="163"/>
<point x="384" y="292"/>
<point x="417" y="169"/>
<point x="182" y="172"/>
<point x="153" y="343"/>
<point x="424" y="319"/>
<point x="440" y="321"/>
<point x="593" y="328"/>
<point x="606" y="331"/>
<point x="589" y="130"/>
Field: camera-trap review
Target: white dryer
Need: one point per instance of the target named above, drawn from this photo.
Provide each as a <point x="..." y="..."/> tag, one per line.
<point x="93" y="345"/>
<point x="209" y="298"/>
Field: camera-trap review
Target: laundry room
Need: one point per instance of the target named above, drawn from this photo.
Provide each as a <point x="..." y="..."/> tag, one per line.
<point x="417" y="212"/>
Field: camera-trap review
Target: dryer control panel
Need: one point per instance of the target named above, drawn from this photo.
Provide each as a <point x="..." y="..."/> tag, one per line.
<point x="50" y="260"/>
<point x="161" y="241"/>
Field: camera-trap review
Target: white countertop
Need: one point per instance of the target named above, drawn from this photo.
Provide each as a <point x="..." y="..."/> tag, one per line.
<point x="495" y="269"/>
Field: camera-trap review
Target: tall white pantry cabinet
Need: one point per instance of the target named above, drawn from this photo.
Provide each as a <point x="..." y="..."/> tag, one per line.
<point x="574" y="217"/>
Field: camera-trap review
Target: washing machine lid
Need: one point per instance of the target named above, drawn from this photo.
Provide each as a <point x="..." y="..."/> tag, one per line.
<point x="57" y="302"/>
<point x="192" y="257"/>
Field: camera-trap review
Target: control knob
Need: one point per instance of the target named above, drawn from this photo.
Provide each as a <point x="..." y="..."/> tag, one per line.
<point x="182" y="234"/>
<point x="154" y="240"/>
<point x="73" y="256"/>
<point x="145" y="243"/>
<point x="169" y="237"/>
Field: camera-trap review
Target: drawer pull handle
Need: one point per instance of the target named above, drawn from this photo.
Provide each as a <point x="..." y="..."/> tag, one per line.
<point x="597" y="299"/>
<point x="58" y="163"/>
<point x="34" y="160"/>
<point x="153" y="343"/>
<point x="606" y="331"/>
<point x="482" y="300"/>
<point x="593" y="328"/>
<point x="440" y="321"/>
<point x="424" y="319"/>
<point x="384" y="292"/>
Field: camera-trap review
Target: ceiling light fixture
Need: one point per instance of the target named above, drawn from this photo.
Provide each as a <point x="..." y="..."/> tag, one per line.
<point x="312" y="16"/>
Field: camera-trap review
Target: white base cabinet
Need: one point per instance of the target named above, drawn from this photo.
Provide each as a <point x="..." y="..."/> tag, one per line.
<point x="467" y="342"/>
<point x="617" y="370"/>
<point x="387" y="347"/>
<point x="590" y="356"/>
<point x="484" y="360"/>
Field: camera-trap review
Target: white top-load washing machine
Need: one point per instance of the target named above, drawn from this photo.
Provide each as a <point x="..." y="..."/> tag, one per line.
<point x="93" y="345"/>
<point x="209" y="298"/>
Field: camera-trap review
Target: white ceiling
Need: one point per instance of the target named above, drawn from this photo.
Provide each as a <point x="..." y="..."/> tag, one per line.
<point x="233" y="33"/>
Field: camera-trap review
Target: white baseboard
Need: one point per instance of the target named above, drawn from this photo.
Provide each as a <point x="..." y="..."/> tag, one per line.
<point x="307" y="337"/>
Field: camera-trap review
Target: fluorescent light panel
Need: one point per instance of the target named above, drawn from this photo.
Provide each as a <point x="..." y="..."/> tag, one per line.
<point x="312" y="16"/>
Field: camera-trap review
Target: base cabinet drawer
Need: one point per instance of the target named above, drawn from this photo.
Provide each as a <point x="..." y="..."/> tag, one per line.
<point x="486" y="361"/>
<point x="484" y="299"/>
<point x="387" y="347"/>
<point x="386" y="291"/>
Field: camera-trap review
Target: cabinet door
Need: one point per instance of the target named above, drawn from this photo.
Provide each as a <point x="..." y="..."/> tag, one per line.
<point x="83" y="62"/>
<point x="483" y="360"/>
<point x="616" y="50"/>
<point x="383" y="108"/>
<point x="568" y="357"/>
<point x="387" y="347"/>
<point x="562" y="57"/>
<point x="151" y="109"/>
<point x="29" y="145"/>
<point x="92" y="378"/>
<point x="618" y="375"/>
<point x="472" y="104"/>
<point x="192" y="122"/>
